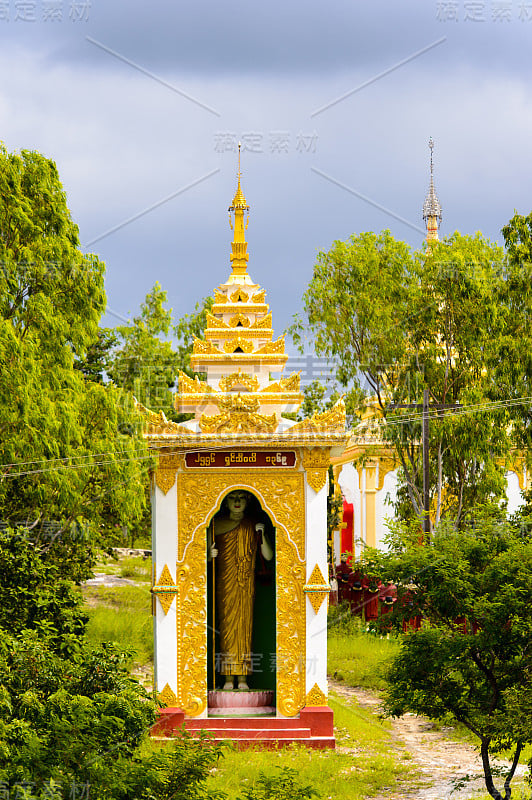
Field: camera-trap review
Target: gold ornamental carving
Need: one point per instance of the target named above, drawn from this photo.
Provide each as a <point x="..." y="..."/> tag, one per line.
<point x="278" y="492"/>
<point x="205" y="348"/>
<point x="238" y="342"/>
<point x="516" y="465"/>
<point x="240" y="296"/>
<point x="265" y="322"/>
<point x="191" y="627"/>
<point x="165" y="589"/>
<point x="316" y="464"/>
<point x="167" y="466"/>
<point x="328" y="421"/>
<point x="156" y="423"/>
<point x="317" y="589"/>
<point x="167" y="697"/>
<point x="289" y="384"/>
<point x="291" y="633"/>
<point x="169" y="461"/>
<point x="188" y="385"/>
<point x="198" y="498"/>
<point x="214" y="322"/>
<point x="259" y="297"/>
<point x="316" y="576"/>
<point x="238" y="415"/>
<point x="165" y="479"/>
<point x="317" y="478"/>
<point x="220" y="298"/>
<point x="316" y="697"/>
<point x="386" y="465"/>
<point x="239" y="320"/>
<point x="272" y="347"/>
<point x="249" y="382"/>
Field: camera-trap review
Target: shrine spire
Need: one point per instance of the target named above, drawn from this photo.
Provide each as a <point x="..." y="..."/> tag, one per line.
<point x="239" y="254"/>
<point x="431" y="207"/>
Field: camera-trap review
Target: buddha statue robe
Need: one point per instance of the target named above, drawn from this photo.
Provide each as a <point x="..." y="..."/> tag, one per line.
<point x="235" y="595"/>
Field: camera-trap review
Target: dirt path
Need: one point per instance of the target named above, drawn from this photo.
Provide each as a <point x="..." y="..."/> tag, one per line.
<point x="103" y="579"/>
<point x="440" y="761"/>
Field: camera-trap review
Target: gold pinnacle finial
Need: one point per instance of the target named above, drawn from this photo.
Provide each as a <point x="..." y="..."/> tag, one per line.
<point x="239" y="255"/>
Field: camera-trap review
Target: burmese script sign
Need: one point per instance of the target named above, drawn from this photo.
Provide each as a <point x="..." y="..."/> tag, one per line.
<point x="242" y="458"/>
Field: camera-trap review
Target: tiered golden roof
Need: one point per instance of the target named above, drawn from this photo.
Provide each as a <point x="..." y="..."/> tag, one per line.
<point x="238" y="354"/>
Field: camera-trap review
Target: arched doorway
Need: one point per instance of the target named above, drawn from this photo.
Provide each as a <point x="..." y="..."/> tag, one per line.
<point x="261" y="659"/>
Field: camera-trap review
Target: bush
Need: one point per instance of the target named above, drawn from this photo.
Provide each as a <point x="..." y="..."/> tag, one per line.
<point x="281" y="786"/>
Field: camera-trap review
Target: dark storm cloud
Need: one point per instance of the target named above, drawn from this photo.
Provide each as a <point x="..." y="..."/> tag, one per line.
<point x="247" y="38"/>
<point x="127" y="144"/>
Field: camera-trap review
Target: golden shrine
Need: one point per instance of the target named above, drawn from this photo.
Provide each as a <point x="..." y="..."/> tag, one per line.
<point x="238" y="441"/>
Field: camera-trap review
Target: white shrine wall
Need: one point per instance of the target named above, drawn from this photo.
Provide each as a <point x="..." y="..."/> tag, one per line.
<point x="513" y="493"/>
<point x="353" y="483"/>
<point x="384" y="508"/>
<point x="164" y="520"/>
<point x="316" y="553"/>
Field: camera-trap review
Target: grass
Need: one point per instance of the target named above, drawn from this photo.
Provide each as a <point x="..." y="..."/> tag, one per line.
<point x="355" y="656"/>
<point x="138" y="569"/>
<point x="366" y="761"/>
<point x="364" y="764"/>
<point x="121" y="614"/>
<point x="133" y="567"/>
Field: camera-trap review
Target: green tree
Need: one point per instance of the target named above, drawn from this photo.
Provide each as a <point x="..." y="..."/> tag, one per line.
<point x="140" y="360"/>
<point x="65" y="465"/>
<point x="190" y="327"/>
<point x="71" y="714"/>
<point x="143" y="363"/>
<point x="471" y="659"/>
<point x="397" y="322"/>
<point x="513" y="367"/>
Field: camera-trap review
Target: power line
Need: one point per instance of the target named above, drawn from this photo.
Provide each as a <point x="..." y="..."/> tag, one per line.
<point x="460" y="410"/>
<point x="139" y="453"/>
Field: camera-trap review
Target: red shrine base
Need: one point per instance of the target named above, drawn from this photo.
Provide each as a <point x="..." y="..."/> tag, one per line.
<point x="312" y="728"/>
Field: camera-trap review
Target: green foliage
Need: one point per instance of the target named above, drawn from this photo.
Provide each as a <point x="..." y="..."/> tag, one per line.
<point x="94" y="365"/>
<point x="472" y="656"/>
<point x="191" y="327"/>
<point x="365" y="762"/>
<point x="73" y="469"/>
<point x="33" y="595"/>
<point x="354" y="655"/>
<point x="513" y="367"/>
<point x="281" y="786"/>
<point x="122" y="615"/>
<point x="66" y="468"/>
<point x="143" y="360"/>
<point x="143" y="363"/>
<point x="314" y="400"/>
<point x="397" y="322"/>
<point x="70" y="713"/>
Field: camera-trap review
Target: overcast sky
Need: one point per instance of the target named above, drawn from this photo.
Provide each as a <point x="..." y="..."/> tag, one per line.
<point x="141" y="105"/>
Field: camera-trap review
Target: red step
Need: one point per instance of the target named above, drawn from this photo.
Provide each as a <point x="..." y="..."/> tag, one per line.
<point x="247" y="733"/>
<point x="312" y="728"/>
<point x="261" y="723"/>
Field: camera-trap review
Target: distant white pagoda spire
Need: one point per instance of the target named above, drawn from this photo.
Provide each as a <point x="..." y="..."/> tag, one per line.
<point x="431" y="207"/>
